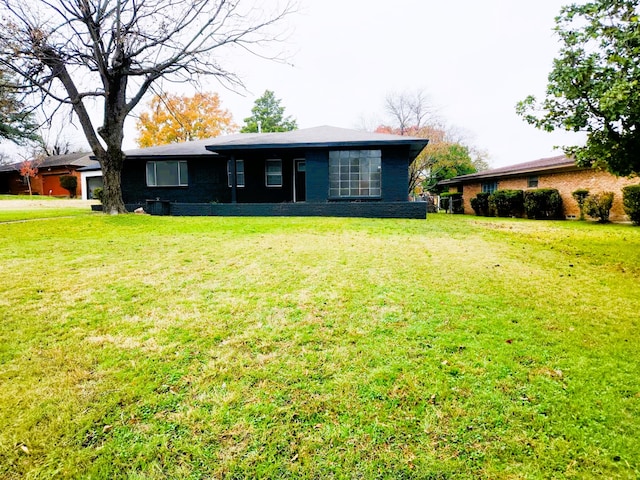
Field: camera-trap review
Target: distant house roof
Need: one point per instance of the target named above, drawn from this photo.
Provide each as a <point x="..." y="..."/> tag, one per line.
<point x="92" y="166"/>
<point x="80" y="159"/>
<point x="559" y="163"/>
<point x="317" y="137"/>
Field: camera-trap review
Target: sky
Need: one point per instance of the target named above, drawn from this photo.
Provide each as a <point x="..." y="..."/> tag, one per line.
<point x="474" y="60"/>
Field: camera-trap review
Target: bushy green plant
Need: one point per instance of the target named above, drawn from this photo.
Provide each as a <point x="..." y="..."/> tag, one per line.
<point x="480" y="204"/>
<point x="631" y="202"/>
<point x="543" y="203"/>
<point x="69" y="183"/>
<point x="580" y="196"/>
<point x="98" y="193"/>
<point x="599" y="205"/>
<point x="507" y="203"/>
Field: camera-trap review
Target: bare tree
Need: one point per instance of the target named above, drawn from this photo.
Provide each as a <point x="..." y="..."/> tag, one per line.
<point x="5" y="158"/>
<point x="409" y="110"/>
<point x="448" y="153"/>
<point x="78" y="52"/>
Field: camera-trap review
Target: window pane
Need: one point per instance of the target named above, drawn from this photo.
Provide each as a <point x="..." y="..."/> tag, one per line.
<point x="274" y="173"/>
<point x="184" y="179"/>
<point x="167" y="173"/>
<point x="359" y="173"/>
<point x="151" y="174"/>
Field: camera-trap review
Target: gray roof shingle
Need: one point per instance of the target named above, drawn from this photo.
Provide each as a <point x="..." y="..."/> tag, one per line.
<point x="80" y="159"/>
<point x="309" y="137"/>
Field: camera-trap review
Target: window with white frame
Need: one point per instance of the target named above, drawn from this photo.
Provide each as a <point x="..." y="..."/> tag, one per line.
<point x="532" y="181"/>
<point x="239" y="173"/>
<point x="273" y="173"/>
<point x="167" y="173"/>
<point x="355" y="174"/>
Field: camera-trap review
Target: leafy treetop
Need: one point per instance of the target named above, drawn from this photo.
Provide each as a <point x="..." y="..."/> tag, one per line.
<point x="16" y="120"/>
<point x="175" y="118"/>
<point x="594" y="85"/>
<point x="267" y="115"/>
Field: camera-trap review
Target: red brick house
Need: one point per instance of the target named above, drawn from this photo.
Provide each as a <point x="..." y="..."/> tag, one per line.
<point x="556" y="172"/>
<point x="47" y="181"/>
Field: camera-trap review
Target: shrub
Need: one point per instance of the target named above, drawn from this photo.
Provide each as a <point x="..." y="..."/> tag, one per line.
<point x="631" y="202"/>
<point x="580" y="196"/>
<point x="599" y="205"/>
<point x="70" y="183"/>
<point x="98" y="193"/>
<point x="480" y="204"/>
<point x="543" y="203"/>
<point x="507" y="203"/>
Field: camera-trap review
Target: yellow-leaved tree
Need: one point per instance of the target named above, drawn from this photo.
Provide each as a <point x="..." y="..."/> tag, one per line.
<point x="175" y="119"/>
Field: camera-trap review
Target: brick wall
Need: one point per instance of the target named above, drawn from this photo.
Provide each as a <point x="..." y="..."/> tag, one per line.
<point x="565" y="182"/>
<point x="306" y="209"/>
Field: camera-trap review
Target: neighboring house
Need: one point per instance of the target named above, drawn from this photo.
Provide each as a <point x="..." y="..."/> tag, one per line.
<point x="316" y="171"/>
<point x="47" y="181"/>
<point x="558" y="172"/>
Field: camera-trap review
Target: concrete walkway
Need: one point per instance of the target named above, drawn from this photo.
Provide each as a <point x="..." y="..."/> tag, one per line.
<point x="46" y="203"/>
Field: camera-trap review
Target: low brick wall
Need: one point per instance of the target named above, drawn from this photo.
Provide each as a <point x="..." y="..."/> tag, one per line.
<point x="337" y="209"/>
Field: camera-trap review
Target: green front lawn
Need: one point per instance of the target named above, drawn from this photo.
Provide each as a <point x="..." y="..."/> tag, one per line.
<point x="457" y="347"/>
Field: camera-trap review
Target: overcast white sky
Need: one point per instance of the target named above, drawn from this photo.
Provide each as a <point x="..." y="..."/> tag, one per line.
<point x="474" y="59"/>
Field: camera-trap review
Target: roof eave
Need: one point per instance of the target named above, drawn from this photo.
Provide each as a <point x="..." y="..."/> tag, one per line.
<point x="481" y="176"/>
<point x="317" y="145"/>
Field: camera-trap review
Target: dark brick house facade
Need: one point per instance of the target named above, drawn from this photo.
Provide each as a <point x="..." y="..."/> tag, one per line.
<point x="316" y="171"/>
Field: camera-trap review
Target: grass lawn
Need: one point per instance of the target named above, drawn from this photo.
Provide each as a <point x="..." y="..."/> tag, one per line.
<point x="457" y="347"/>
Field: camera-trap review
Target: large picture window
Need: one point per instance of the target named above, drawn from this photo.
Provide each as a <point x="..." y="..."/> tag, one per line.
<point x="239" y="173"/>
<point x="355" y="173"/>
<point x="167" y="174"/>
<point x="273" y="173"/>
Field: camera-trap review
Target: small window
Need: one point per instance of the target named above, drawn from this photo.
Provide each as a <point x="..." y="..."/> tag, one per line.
<point x="532" y="182"/>
<point x="489" y="187"/>
<point x="167" y="174"/>
<point x="239" y="173"/>
<point x="273" y="173"/>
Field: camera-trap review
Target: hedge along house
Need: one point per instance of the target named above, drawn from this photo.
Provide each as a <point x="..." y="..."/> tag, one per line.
<point x="317" y="171"/>
<point x="558" y="172"/>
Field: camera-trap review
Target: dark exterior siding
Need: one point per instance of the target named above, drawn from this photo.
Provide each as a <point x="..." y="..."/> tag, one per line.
<point x="395" y="175"/>
<point x="317" y="176"/>
<point x="207" y="181"/>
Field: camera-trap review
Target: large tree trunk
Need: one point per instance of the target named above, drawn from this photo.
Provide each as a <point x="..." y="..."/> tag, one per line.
<point x="111" y="163"/>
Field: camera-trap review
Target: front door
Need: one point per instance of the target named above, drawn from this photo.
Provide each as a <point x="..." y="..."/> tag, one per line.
<point x="299" y="180"/>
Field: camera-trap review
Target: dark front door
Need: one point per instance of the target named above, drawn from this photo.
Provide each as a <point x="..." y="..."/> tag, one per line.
<point x="300" y="181"/>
